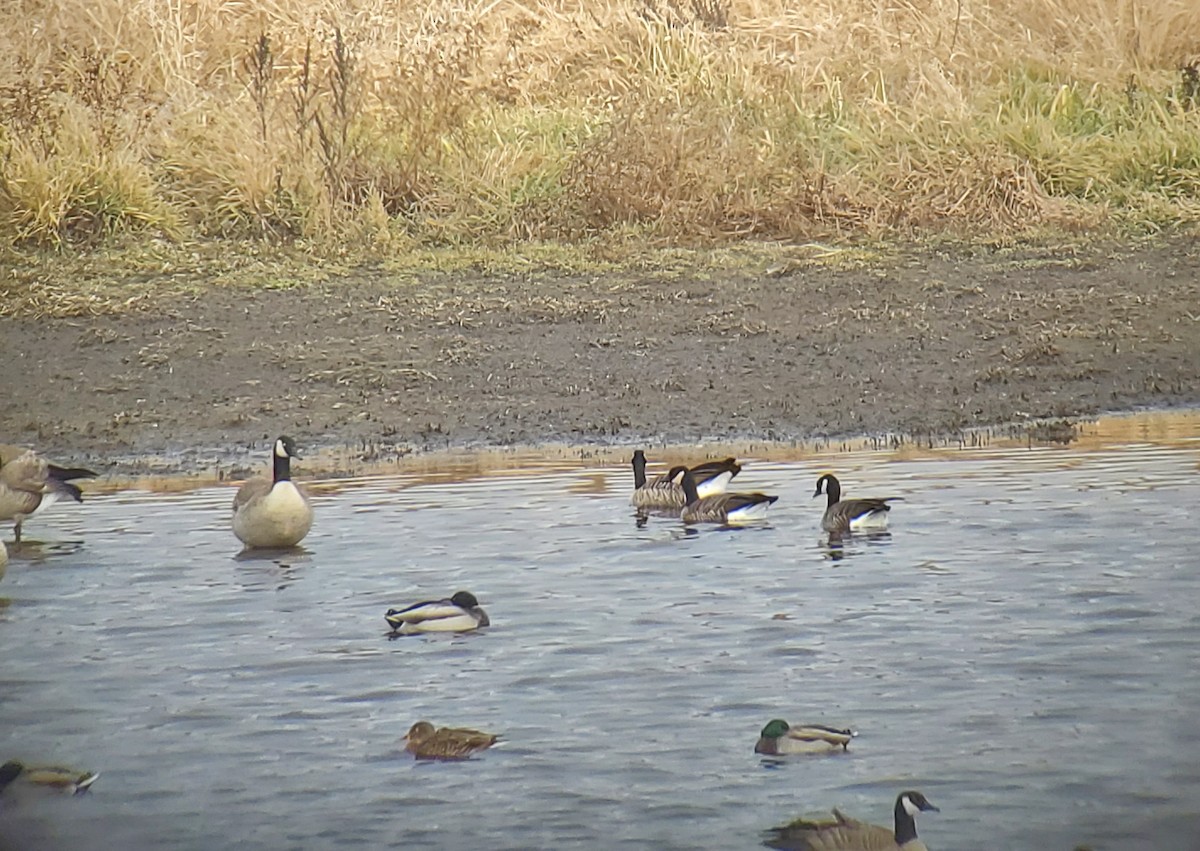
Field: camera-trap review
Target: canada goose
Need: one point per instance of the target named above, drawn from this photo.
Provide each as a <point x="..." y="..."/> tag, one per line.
<point x="723" y="507"/>
<point x="50" y="777"/>
<point x="273" y="512"/>
<point x="461" y="613"/>
<point x="29" y="482"/>
<point x="665" y="491"/>
<point x="779" y="738"/>
<point x="847" y="834"/>
<point x="851" y="515"/>
<point x="424" y="741"/>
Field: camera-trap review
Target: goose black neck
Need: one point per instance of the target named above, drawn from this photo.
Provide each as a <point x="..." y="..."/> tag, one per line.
<point x="906" y="825"/>
<point x="690" y="494"/>
<point x="639" y="470"/>
<point x="283" y="467"/>
<point x="834" y="489"/>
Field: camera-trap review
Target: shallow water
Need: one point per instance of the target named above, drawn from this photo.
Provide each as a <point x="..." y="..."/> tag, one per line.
<point x="1022" y="647"/>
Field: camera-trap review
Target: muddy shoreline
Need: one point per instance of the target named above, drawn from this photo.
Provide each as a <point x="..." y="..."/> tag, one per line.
<point x="925" y="344"/>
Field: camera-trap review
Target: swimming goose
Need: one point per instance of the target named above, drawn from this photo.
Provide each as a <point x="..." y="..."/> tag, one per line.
<point x="424" y="741"/>
<point x="50" y="777"/>
<point x="273" y="512"/>
<point x="461" y="613"/>
<point x="851" y="515"/>
<point x="847" y="834"/>
<point x="29" y="482"/>
<point x="729" y="508"/>
<point x="665" y="491"/>
<point x="779" y="738"/>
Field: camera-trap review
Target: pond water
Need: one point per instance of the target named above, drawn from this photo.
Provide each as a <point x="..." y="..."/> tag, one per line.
<point x="1023" y="647"/>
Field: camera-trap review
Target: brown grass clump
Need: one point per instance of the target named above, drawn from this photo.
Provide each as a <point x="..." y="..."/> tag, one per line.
<point x="446" y="122"/>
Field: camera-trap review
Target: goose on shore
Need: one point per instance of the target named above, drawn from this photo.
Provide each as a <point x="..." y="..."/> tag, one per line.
<point x="847" y="834"/>
<point x="730" y="508"/>
<point x="779" y="738"/>
<point x="274" y="512"/>
<point x="851" y="515"/>
<point x="28" y="482"/>
<point x="424" y="741"/>
<point x="666" y="491"/>
<point x="460" y="613"/>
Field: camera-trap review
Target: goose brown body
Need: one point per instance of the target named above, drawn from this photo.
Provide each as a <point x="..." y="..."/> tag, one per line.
<point x="29" y="482"/>
<point x="848" y="515"/>
<point x="847" y="834"/>
<point x="724" y="507"/>
<point x="666" y="491"/>
<point x="275" y="512"/>
<point x="425" y="741"/>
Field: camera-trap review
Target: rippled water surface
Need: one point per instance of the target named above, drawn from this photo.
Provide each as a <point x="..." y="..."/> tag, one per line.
<point x="1024" y="648"/>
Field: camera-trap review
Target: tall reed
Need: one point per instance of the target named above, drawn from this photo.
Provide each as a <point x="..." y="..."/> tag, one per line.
<point x="452" y="122"/>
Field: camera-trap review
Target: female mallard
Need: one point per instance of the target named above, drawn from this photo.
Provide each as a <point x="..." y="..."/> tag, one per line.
<point x="731" y="508"/>
<point x="273" y="512"/>
<point x="851" y="515"/>
<point x="29" y="482"/>
<point x="424" y="741"/>
<point x="666" y="491"/>
<point x="847" y="834"/>
<point x="461" y="613"/>
<point x="49" y="777"/>
<point x="779" y="738"/>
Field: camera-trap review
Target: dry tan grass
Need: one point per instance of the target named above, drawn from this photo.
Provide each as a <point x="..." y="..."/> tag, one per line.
<point x="395" y="125"/>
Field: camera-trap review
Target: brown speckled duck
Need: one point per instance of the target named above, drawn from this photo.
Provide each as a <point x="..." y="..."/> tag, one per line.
<point x="424" y="741"/>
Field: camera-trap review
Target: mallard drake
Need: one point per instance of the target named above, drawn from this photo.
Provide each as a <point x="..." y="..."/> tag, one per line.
<point x="29" y="482"/>
<point x="731" y="508"/>
<point x="461" y="613"/>
<point x="847" y="834"/>
<point x="273" y="512"/>
<point x="424" y="741"/>
<point x="50" y="777"/>
<point x="666" y="491"/>
<point x="779" y="738"/>
<point x="851" y="515"/>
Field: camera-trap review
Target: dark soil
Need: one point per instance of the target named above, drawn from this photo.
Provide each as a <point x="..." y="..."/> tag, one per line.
<point x="928" y="344"/>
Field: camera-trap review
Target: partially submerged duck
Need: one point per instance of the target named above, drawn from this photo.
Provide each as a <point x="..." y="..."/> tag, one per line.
<point x="666" y="491"/>
<point x="779" y="738"/>
<point x="460" y="613"/>
<point x="49" y="777"/>
<point x="851" y="515"/>
<point x="847" y="834"/>
<point x="424" y="741"/>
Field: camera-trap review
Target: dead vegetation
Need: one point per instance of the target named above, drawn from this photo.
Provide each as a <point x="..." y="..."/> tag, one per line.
<point x="397" y="127"/>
